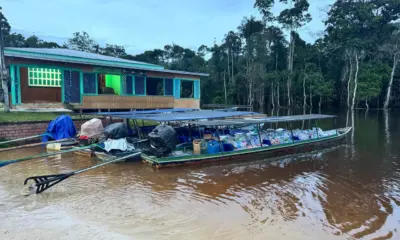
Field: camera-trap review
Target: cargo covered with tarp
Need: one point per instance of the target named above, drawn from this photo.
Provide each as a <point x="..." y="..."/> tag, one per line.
<point x="163" y="140"/>
<point x="91" y="128"/>
<point x="60" y="128"/>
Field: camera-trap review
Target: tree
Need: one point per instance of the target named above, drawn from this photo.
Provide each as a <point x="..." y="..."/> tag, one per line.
<point x="292" y="19"/>
<point x="81" y="42"/>
<point x="356" y="29"/>
<point x="4" y="25"/>
<point x="14" y="40"/>
<point x="371" y="78"/>
<point x="392" y="48"/>
<point x="113" y="50"/>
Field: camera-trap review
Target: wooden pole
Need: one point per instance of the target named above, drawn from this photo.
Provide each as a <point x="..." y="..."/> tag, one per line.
<point x="3" y="72"/>
<point x="291" y="132"/>
<point x="190" y="132"/>
<point x="259" y="134"/>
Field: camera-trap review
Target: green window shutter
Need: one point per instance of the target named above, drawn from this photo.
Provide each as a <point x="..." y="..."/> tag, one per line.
<point x="177" y="88"/>
<point x="196" y="86"/>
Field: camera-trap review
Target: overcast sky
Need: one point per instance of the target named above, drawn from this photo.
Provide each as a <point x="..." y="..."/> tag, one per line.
<point x="141" y="25"/>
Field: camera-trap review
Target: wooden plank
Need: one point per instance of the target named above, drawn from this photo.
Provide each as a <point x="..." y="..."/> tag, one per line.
<point x="125" y="102"/>
<point x="225" y="106"/>
<point x="187" y="103"/>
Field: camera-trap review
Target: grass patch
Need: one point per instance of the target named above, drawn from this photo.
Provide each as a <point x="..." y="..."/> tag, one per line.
<point x="31" y="117"/>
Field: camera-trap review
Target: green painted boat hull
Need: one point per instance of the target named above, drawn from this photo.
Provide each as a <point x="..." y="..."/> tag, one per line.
<point x="248" y="154"/>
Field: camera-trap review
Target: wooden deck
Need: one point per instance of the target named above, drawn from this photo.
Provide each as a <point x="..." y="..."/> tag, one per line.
<point x="125" y="102"/>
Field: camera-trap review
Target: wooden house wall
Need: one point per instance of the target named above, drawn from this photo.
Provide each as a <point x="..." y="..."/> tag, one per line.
<point x="54" y="95"/>
<point x="31" y="94"/>
<point x="125" y="102"/>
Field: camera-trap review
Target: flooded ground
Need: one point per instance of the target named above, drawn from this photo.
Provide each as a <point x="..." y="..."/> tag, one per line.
<point x="351" y="191"/>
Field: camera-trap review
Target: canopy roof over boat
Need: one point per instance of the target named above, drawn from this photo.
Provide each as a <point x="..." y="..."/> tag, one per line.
<point x="182" y="115"/>
<point x="261" y="120"/>
<point x="145" y="111"/>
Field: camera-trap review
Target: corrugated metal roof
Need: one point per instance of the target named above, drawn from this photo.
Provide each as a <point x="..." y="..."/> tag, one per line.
<point x="184" y="116"/>
<point x="73" y="56"/>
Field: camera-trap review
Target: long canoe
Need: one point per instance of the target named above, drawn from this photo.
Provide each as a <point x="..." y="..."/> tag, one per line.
<point x="245" y="154"/>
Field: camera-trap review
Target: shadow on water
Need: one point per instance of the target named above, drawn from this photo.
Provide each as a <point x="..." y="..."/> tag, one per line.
<point x="351" y="191"/>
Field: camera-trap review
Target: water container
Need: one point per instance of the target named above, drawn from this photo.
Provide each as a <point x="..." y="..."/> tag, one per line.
<point x="197" y="146"/>
<point x="213" y="147"/>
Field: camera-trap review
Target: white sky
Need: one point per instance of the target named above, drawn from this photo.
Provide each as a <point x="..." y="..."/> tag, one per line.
<point x="141" y="25"/>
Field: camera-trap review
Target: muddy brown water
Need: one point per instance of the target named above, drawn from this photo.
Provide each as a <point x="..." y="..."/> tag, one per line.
<point x="351" y="191"/>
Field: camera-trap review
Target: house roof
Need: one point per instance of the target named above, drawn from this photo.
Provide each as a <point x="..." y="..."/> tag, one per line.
<point x="73" y="56"/>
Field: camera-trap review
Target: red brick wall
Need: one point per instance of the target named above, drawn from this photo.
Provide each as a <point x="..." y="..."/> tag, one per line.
<point x="26" y="129"/>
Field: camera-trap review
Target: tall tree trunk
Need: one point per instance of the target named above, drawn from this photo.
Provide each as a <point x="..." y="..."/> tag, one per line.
<point x="304" y="91"/>
<point x="355" y="82"/>
<point x="272" y="96"/>
<point x="233" y="78"/>
<point x="262" y="97"/>
<point x="229" y="71"/>
<point x="343" y="81"/>
<point x="366" y="103"/>
<point x="311" y="105"/>
<point x="320" y="102"/>
<point x="226" y="96"/>
<point x="349" y="81"/>
<point x="290" y="68"/>
<point x="277" y="95"/>
<point x="389" y="89"/>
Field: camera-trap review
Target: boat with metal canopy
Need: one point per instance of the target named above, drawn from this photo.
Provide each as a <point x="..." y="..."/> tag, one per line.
<point x="256" y="143"/>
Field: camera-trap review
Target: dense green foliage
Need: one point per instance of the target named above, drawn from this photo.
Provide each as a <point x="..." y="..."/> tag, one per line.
<point x="265" y="63"/>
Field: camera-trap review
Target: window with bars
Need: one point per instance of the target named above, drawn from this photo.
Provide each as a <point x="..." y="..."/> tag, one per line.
<point x="44" y="77"/>
<point x="89" y="83"/>
<point x="140" y="85"/>
<point x="169" y="87"/>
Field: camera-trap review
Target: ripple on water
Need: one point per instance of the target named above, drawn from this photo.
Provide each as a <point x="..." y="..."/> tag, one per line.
<point x="314" y="196"/>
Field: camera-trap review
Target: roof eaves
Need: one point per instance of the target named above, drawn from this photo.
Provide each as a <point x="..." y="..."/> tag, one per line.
<point x="88" y="61"/>
<point x="72" y="59"/>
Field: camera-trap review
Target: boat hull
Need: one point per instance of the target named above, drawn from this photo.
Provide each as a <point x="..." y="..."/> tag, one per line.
<point x="243" y="155"/>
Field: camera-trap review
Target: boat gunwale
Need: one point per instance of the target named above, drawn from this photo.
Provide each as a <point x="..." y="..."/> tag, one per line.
<point x="194" y="158"/>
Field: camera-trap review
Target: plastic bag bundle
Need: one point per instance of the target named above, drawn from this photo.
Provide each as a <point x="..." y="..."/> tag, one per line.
<point x="116" y="131"/>
<point x="163" y="139"/>
<point x="91" y="128"/>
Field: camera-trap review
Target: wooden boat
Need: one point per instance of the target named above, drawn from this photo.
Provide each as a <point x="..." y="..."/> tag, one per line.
<point x="107" y="156"/>
<point x="294" y="147"/>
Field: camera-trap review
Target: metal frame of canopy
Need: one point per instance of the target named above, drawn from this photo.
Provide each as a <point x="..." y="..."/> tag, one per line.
<point x="184" y="116"/>
<point x="293" y="118"/>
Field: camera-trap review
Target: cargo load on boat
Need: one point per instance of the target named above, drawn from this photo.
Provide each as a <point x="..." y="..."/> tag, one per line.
<point x="163" y="139"/>
<point x="116" y="131"/>
<point x="60" y="128"/>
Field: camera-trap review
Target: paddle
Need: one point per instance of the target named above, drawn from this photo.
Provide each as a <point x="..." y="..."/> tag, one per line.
<point x="25" y="138"/>
<point x="45" y="182"/>
<point x="35" y="144"/>
<point x="6" y="162"/>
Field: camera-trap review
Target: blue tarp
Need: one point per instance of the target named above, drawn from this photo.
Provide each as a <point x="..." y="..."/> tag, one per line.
<point x="59" y="128"/>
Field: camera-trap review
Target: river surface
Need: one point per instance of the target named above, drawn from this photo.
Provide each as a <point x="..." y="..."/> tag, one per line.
<point x="351" y="191"/>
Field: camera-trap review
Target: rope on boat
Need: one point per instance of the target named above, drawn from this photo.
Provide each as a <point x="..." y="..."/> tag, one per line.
<point x="35" y="144"/>
<point x="43" y="155"/>
<point x="25" y="138"/>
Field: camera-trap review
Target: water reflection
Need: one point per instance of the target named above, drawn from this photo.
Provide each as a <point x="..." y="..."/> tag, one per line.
<point x="351" y="191"/>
